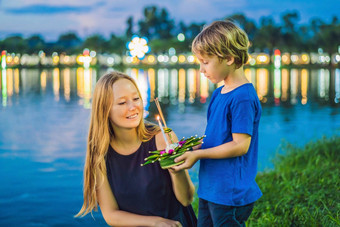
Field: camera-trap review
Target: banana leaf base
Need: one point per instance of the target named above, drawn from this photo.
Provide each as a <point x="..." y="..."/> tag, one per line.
<point x="169" y="162"/>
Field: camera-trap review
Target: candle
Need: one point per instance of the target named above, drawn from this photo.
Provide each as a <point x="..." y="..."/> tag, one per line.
<point x="160" y="125"/>
<point x="160" y="111"/>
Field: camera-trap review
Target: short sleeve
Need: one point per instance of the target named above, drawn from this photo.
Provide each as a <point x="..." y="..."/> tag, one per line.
<point x="242" y="117"/>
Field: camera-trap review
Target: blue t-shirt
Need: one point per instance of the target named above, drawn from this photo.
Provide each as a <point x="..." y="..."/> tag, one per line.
<point x="231" y="181"/>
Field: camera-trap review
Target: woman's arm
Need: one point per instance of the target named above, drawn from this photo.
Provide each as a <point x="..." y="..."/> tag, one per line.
<point x="115" y="217"/>
<point x="182" y="185"/>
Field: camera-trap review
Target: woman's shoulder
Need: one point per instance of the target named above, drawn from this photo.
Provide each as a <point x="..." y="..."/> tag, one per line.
<point x="160" y="141"/>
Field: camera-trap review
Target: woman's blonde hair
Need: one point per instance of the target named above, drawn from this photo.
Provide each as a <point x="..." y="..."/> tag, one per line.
<point x="100" y="135"/>
<point x="223" y="39"/>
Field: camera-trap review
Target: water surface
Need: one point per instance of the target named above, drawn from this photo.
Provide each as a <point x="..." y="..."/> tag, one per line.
<point x="44" y="117"/>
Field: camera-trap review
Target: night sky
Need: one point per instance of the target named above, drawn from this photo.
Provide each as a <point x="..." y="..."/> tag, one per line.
<point x="54" y="17"/>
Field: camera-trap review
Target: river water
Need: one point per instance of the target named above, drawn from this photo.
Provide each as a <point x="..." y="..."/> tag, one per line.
<point x="44" y="117"/>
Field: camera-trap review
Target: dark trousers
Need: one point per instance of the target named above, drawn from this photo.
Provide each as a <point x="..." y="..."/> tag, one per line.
<point x="216" y="215"/>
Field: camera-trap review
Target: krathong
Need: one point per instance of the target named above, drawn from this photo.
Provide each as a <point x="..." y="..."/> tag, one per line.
<point x="173" y="150"/>
<point x="167" y="156"/>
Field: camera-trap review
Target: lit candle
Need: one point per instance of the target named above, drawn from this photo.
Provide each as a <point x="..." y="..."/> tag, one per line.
<point x="160" y="125"/>
<point x="160" y="111"/>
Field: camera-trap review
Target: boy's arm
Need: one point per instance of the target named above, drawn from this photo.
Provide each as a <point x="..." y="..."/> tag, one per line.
<point x="237" y="147"/>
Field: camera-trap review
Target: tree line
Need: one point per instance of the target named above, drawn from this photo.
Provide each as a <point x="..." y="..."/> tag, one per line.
<point x="162" y="30"/>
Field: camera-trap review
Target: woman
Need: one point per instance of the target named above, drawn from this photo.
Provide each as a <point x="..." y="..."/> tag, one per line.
<point x="118" y="141"/>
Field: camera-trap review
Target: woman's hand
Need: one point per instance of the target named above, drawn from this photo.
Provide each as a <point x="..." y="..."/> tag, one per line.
<point x="167" y="223"/>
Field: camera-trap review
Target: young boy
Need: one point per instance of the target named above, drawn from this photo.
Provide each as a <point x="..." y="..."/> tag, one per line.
<point x="228" y="157"/>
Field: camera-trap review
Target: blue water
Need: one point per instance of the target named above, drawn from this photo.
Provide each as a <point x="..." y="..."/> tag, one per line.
<point x="43" y="142"/>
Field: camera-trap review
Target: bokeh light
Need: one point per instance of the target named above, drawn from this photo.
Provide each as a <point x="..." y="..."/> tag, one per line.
<point x="138" y="47"/>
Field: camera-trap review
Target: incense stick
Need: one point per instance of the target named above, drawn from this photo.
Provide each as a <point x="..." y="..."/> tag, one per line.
<point x="160" y="111"/>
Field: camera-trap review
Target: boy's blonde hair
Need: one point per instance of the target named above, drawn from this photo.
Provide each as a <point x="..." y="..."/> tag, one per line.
<point x="223" y="39"/>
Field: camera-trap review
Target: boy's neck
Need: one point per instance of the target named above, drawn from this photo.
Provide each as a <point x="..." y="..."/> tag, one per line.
<point x="234" y="79"/>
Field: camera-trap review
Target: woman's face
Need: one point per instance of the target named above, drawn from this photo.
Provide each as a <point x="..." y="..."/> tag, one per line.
<point x="127" y="107"/>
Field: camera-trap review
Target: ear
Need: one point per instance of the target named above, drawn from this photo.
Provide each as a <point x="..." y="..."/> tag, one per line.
<point x="230" y="60"/>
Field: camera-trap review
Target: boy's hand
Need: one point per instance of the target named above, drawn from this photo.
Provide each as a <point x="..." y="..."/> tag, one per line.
<point x="190" y="158"/>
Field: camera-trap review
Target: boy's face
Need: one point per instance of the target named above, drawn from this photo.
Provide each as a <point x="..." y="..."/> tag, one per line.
<point x="213" y="68"/>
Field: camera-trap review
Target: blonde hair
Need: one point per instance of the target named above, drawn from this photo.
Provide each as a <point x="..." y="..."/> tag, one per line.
<point x="223" y="39"/>
<point x="99" y="136"/>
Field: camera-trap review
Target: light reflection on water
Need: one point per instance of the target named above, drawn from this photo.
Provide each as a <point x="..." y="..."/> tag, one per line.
<point x="44" y="116"/>
<point x="176" y="85"/>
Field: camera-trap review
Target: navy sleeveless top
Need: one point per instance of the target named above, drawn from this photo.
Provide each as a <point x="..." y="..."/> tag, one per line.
<point x="145" y="190"/>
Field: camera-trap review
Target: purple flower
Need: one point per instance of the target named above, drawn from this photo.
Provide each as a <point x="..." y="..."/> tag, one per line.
<point x="162" y="152"/>
<point x="170" y="151"/>
<point x="182" y="142"/>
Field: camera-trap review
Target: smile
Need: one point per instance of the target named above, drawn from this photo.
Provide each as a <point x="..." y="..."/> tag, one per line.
<point x="132" y="116"/>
